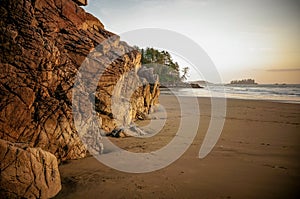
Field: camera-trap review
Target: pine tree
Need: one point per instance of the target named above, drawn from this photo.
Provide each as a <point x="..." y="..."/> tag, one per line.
<point x="162" y="64"/>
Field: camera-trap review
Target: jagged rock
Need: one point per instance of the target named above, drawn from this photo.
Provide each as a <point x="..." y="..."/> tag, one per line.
<point x="27" y="172"/>
<point x="81" y="2"/>
<point x="43" y="44"/>
<point x="141" y="116"/>
<point x="148" y="74"/>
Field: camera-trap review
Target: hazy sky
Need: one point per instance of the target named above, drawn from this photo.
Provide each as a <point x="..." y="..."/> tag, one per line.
<point x="257" y="39"/>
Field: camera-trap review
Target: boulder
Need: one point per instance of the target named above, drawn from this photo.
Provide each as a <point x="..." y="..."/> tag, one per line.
<point x="27" y="172"/>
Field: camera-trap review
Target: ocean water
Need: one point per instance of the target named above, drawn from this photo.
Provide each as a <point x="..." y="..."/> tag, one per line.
<point x="288" y="93"/>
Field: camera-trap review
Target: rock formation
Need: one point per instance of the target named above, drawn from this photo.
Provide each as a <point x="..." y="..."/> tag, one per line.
<point x="43" y="45"/>
<point x="27" y="172"/>
<point x="81" y="2"/>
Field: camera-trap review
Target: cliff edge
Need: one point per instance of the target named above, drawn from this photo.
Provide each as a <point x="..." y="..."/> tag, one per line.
<point x="43" y="45"/>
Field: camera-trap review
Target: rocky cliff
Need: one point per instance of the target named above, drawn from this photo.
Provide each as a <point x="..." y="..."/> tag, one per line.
<point x="43" y="46"/>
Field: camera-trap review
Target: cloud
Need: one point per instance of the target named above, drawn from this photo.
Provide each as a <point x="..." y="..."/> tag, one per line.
<point x="284" y="70"/>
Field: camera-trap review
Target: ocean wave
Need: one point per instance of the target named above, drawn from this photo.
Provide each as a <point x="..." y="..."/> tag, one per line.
<point x="284" y="93"/>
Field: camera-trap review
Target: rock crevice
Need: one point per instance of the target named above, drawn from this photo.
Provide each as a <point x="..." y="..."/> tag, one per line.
<point x="27" y="172"/>
<point x="43" y="45"/>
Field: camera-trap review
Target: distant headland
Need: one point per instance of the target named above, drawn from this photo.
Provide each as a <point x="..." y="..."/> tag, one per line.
<point x="243" y="81"/>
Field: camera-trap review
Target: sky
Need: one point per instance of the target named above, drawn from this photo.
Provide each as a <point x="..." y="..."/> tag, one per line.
<point x="258" y="39"/>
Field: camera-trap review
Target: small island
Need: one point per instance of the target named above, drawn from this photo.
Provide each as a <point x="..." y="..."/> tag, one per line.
<point x="243" y="81"/>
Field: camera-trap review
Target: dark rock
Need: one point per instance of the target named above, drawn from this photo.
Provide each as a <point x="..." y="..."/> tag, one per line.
<point x="196" y="85"/>
<point x="81" y="2"/>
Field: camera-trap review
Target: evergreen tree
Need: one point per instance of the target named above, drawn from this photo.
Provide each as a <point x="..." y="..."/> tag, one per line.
<point x="162" y="64"/>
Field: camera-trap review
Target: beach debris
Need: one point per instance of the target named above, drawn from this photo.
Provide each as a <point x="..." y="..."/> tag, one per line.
<point x="117" y="132"/>
<point x="131" y="131"/>
<point x="141" y="116"/>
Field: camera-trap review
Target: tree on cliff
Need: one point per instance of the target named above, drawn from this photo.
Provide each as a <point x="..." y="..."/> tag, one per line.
<point x="184" y="71"/>
<point x="162" y="64"/>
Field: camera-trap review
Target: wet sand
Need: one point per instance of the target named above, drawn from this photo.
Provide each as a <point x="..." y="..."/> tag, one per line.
<point x="257" y="156"/>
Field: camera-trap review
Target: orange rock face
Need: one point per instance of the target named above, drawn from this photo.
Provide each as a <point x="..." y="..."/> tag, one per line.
<point x="44" y="43"/>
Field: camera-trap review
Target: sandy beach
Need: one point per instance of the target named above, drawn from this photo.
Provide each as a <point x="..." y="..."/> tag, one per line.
<point x="257" y="156"/>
